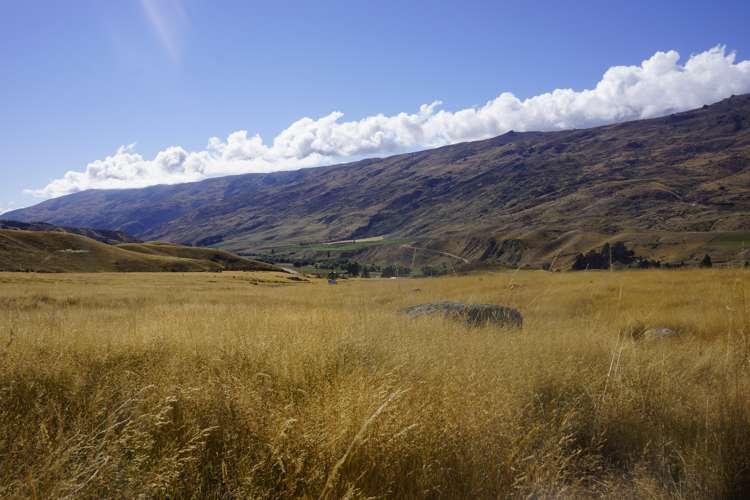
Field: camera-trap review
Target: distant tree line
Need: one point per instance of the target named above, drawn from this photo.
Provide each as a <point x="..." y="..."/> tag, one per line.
<point x="619" y="254"/>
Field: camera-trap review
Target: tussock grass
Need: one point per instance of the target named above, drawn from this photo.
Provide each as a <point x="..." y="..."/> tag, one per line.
<point x="210" y="386"/>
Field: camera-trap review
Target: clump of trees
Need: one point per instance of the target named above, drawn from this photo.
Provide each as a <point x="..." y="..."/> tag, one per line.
<point x="353" y="268"/>
<point x="394" y="271"/>
<point x="431" y="271"/>
<point x="706" y="262"/>
<point x="647" y="264"/>
<point x="603" y="259"/>
<point x="674" y="265"/>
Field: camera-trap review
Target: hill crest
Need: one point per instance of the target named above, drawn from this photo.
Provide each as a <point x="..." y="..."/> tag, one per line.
<point x="63" y="251"/>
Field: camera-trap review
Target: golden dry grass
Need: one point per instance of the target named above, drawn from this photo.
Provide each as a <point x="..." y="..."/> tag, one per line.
<point x="210" y="386"/>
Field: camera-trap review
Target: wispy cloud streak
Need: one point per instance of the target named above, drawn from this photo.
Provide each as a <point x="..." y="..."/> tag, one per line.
<point x="169" y="19"/>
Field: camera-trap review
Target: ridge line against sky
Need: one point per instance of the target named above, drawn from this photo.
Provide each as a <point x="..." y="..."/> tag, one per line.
<point x="660" y="85"/>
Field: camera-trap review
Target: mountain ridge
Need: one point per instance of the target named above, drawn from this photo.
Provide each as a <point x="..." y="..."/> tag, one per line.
<point x="683" y="173"/>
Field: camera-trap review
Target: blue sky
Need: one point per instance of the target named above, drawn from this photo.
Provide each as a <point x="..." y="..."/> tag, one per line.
<point x="80" y="79"/>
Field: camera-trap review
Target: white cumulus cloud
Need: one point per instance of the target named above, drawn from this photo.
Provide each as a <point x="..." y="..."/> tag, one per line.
<point x="658" y="86"/>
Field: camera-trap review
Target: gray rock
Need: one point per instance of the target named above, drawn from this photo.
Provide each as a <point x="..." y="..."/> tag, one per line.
<point x="638" y="331"/>
<point x="471" y="314"/>
<point x="658" y="333"/>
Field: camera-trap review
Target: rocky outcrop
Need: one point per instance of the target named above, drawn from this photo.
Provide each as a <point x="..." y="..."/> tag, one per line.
<point x="471" y="314"/>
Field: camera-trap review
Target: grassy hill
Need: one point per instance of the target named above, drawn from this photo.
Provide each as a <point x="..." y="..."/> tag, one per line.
<point x="227" y="260"/>
<point x="58" y="251"/>
<point x="103" y="235"/>
<point x="516" y="198"/>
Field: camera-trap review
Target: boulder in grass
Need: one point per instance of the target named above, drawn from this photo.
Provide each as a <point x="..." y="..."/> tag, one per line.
<point x="658" y="333"/>
<point x="638" y="331"/>
<point x="471" y="314"/>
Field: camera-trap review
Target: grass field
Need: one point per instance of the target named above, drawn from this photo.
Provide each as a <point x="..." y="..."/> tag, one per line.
<point x="243" y="385"/>
<point x="735" y="241"/>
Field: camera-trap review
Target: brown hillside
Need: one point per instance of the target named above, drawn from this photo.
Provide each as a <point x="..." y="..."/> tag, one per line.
<point x="684" y="173"/>
<point x="65" y="252"/>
